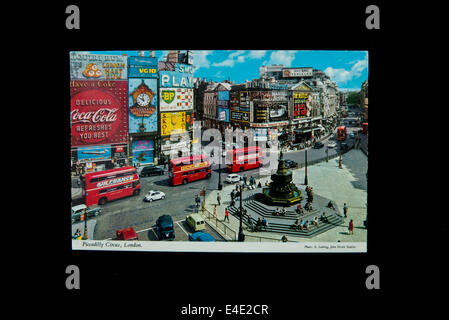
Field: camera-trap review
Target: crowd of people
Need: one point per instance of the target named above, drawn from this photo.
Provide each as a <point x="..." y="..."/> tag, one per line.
<point x="300" y="224"/>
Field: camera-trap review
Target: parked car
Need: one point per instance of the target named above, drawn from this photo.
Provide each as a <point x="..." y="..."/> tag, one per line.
<point x="331" y="144"/>
<point x="318" y="145"/>
<point x="78" y="212"/>
<point x="232" y="178"/>
<point x="126" y="234"/>
<point x="164" y="228"/>
<point x="151" y="171"/>
<point x="196" y="222"/>
<point x="154" y="195"/>
<point x="201" y="236"/>
<point x="290" y="164"/>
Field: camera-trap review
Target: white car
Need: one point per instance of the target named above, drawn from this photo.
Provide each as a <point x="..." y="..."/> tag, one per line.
<point x="232" y="178"/>
<point x="154" y="195"/>
<point x="331" y="144"/>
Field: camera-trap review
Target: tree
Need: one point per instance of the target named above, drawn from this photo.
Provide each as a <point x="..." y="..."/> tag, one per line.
<point x="353" y="98"/>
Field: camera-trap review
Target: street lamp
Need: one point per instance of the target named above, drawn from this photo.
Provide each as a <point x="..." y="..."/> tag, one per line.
<point x="339" y="161"/>
<point x="85" y="237"/>
<point x="220" y="186"/>
<point x="241" y="236"/>
<point x="306" y="181"/>
<point x="203" y="193"/>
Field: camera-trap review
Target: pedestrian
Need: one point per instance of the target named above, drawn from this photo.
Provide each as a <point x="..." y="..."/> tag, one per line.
<point x="218" y="198"/>
<point x="264" y="223"/>
<point x="284" y="238"/>
<point x="226" y="215"/>
<point x="351" y="227"/>
<point x="77" y="234"/>
<point x="345" y="210"/>
<point x="232" y="195"/>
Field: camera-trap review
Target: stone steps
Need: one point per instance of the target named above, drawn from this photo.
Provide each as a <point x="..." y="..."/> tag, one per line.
<point x="290" y="214"/>
<point x="287" y="227"/>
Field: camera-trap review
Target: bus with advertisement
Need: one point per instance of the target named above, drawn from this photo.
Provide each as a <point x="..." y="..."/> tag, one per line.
<point x="102" y="186"/>
<point x="341" y="133"/>
<point x="187" y="169"/>
<point x="244" y="159"/>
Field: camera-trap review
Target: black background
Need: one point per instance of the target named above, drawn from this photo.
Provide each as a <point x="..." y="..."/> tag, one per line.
<point x="156" y="285"/>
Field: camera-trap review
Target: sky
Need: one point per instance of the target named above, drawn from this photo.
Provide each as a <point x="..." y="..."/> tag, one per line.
<point x="349" y="69"/>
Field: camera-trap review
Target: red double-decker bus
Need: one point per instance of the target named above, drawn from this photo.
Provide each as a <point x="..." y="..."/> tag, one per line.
<point x="102" y="186"/>
<point x="341" y="133"/>
<point x="187" y="169"/>
<point x="244" y="159"/>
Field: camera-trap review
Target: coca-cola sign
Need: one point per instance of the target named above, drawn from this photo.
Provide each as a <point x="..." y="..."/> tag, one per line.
<point x="98" y="113"/>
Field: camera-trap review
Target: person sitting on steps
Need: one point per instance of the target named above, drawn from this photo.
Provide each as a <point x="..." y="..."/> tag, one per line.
<point x="324" y="217"/>
<point x="307" y="225"/>
<point x="258" y="224"/>
<point x="264" y="223"/>
<point x="308" y="206"/>
<point x="315" y="221"/>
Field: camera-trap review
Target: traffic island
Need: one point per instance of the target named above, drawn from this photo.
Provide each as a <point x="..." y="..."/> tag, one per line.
<point x="255" y="210"/>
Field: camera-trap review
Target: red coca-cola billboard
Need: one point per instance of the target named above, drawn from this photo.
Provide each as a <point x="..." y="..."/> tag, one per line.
<point x="98" y="112"/>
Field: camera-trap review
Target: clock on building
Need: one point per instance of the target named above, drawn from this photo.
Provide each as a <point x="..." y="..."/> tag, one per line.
<point x="142" y="97"/>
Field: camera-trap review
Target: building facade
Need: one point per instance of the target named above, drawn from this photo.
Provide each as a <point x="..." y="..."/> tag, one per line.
<point x="300" y="103"/>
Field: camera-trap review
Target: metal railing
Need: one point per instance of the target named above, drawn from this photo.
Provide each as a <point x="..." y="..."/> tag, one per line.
<point x="215" y="222"/>
<point x="253" y="238"/>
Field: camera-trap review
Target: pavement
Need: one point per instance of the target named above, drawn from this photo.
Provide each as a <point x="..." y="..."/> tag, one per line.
<point x="346" y="185"/>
